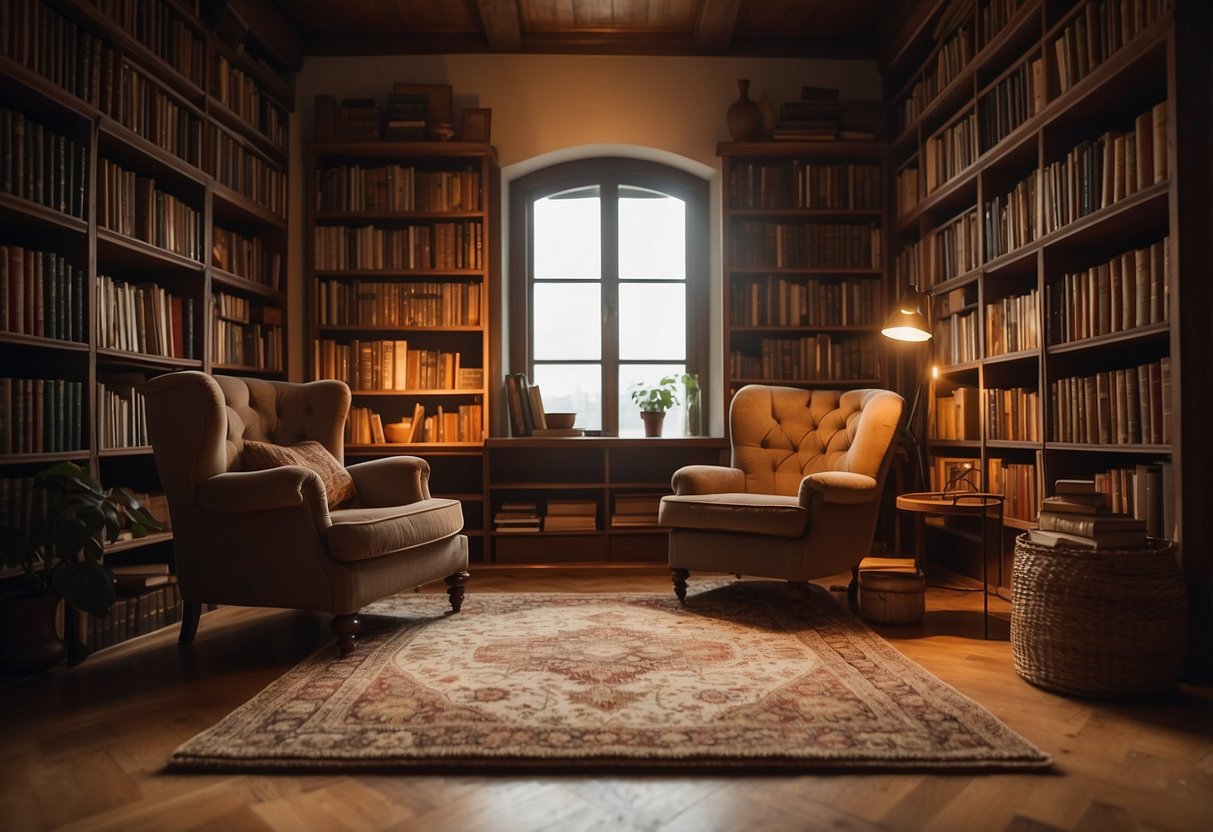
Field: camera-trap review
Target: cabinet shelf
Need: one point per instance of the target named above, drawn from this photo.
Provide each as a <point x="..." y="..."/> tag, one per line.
<point x="120" y="250"/>
<point x="22" y="212"/>
<point x="127" y="544"/>
<point x="145" y="360"/>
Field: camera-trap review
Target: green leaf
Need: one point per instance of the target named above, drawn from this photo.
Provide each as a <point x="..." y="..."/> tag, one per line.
<point x="89" y="587"/>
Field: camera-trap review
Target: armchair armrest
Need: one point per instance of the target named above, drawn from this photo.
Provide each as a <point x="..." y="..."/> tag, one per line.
<point x="391" y="481"/>
<point x="251" y="491"/>
<point x="838" y="487"/>
<point x="707" y="479"/>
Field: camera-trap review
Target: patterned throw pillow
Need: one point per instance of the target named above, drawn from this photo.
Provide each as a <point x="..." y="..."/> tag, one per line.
<point x="338" y="484"/>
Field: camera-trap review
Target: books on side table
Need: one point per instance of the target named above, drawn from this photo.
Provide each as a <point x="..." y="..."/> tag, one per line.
<point x="1078" y="516"/>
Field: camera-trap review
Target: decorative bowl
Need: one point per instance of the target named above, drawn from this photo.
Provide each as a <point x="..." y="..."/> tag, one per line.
<point x="397" y="432"/>
<point x="559" y="421"/>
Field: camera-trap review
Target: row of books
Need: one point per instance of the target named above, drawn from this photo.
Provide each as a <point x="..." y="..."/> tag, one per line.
<point x="1100" y="172"/>
<point x="393" y="365"/>
<point x="1014" y="100"/>
<point x="441" y="245"/>
<point x="1012" y="219"/>
<point x="1013" y="414"/>
<point x="416" y="303"/>
<point x="956" y="414"/>
<point x="811" y="358"/>
<point x="907" y="191"/>
<point x="144" y="318"/>
<point x="144" y="107"/>
<point x="956" y="339"/>
<point x="800" y="184"/>
<point x="1127" y="406"/>
<point x="1097" y="32"/>
<point x="1145" y="491"/>
<point x="247" y="344"/>
<point x="951" y="250"/>
<point x="561" y="515"/>
<point x="778" y="301"/>
<point x="1019" y="484"/>
<point x="1012" y="324"/>
<point x="354" y="120"/>
<point x="242" y="94"/>
<point x="352" y="188"/>
<point x="247" y="257"/>
<point x="41" y="165"/>
<point x="133" y="205"/>
<point x="41" y="415"/>
<point x="121" y="411"/>
<point x="158" y="27"/>
<point x="993" y="15"/>
<point x="238" y="166"/>
<point x="1130" y="290"/>
<point x="137" y="612"/>
<point x="807" y="245"/>
<point x="953" y="55"/>
<point x="950" y="151"/>
<point x="464" y="423"/>
<point x="41" y="294"/>
<point x="1078" y="515"/>
<point x="524" y="403"/>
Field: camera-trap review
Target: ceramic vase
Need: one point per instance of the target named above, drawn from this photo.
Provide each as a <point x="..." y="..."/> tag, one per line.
<point x="653" y="420"/>
<point x="744" y="116"/>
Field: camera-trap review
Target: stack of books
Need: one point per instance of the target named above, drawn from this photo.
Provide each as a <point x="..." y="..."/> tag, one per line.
<point x="813" y="118"/>
<point x="1078" y="516"/>
<point x="571" y="516"/>
<point x="635" y="510"/>
<point x="134" y="578"/>
<point x="516" y="517"/>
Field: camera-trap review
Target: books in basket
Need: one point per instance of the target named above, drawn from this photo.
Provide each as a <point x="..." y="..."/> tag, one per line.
<point x="1095" y="503"/>
<point x="1109" y="540"/>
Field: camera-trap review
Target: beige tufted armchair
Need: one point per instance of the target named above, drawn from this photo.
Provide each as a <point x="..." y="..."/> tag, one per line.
<point x="268" y="537"/>
<point x="802" y="496"/>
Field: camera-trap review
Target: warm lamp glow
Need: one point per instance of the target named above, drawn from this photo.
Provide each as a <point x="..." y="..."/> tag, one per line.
<point x="906" y="325"/>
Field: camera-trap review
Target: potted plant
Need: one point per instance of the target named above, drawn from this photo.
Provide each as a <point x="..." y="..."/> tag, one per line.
<point x="59" y="553"/>
<point x="654" y="401"/>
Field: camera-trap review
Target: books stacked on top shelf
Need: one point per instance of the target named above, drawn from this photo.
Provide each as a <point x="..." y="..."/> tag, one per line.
<point x="140" y="609"/>
<point x="1078" y="516"/>
<point x="633" y="510"/>
<point x="814" y="117"/>
<point x="134" y="578"/>
<point x="571" y="516"/>
<point x="516" y="517"/>
<point x="525" y="405"/>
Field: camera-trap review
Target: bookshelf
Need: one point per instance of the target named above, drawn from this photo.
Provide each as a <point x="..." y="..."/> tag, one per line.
<point x="402" y="255"/>
<point x="1046" y="238"/>
<point x="143" y="207"/>
<point x="804" y="253"/>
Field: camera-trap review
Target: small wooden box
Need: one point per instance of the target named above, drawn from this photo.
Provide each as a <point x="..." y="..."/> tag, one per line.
<point x="891" y="591"/>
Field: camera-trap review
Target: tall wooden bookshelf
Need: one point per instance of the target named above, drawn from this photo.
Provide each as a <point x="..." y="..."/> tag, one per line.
<point x="143" y="206"/>
<point x="1035" y="197"/>
<point x="804" y="264"/>
<point x="402" y="258"/>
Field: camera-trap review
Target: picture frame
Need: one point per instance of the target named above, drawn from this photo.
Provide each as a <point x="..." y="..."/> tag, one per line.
<point x="477" y="125"/>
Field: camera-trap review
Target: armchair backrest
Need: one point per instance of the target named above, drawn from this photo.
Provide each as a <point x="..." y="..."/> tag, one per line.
<point x="198" y="423"/>
<point x="781" y="434"/>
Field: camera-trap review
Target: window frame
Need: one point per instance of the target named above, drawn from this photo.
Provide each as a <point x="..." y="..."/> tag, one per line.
<point x="609" y="173"/>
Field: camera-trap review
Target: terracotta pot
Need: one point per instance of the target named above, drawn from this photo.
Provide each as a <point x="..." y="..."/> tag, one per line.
<point x="653" y="420"/>
<point x="744" y="116"/>
<point x="31" y="633"/>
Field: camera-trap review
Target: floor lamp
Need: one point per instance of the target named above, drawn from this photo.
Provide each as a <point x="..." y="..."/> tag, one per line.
<point x="908" y="323"/>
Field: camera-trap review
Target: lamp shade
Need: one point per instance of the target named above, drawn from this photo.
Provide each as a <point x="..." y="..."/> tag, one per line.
<point x="907" y="322"/>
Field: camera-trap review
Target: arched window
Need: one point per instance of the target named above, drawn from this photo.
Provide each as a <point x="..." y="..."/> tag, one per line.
<point x="609" y="283"/>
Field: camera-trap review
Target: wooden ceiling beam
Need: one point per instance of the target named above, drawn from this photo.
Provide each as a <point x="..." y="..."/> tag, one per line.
<point x="502" y="24"/>
<point x="715" y="24"/>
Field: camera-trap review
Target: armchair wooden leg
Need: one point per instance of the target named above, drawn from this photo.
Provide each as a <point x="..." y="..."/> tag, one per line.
<point x="853" y="586"/>
<point x="191" y="611"/>
<point x="454" y="590"/>
<point x="680" y="583"/>
<point x="346" y="627"/>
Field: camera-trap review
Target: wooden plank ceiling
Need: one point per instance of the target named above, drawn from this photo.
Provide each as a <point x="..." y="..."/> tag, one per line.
<point x="772" y="28"/>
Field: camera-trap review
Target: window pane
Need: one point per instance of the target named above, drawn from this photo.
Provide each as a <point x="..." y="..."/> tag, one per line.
<point x="648" y="374"/>
<point x="568" y="321"/>
<point x="652" y="321"/>
<point x="567" y="238"/>
<point x="652" y="236"/>
<point x="572" y="388"/>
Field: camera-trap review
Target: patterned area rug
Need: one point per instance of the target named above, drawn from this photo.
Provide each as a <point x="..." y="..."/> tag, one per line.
<point x="739" y="679"/>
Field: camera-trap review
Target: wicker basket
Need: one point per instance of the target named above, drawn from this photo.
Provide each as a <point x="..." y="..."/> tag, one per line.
<point x="1098" y="623"/>
<point x="891" y="597"/>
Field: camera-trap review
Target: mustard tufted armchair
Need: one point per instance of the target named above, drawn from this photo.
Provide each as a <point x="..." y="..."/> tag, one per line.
<point x="255" y="485"/>
<point x="803" y="493"/>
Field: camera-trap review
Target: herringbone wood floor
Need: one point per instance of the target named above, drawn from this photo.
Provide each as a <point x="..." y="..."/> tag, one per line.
<point x="83" y="748"/>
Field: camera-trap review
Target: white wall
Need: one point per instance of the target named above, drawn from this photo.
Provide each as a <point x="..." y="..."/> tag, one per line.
<point x="549" y="109"/>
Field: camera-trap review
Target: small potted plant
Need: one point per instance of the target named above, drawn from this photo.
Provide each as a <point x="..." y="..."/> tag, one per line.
<point x="59" y="553"/>
<point x="654" y="401"/>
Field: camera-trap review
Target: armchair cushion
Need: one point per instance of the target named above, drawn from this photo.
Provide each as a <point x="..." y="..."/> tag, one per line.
<point x="765" y="514"/>
<point x="364" y="533"/>
<point x="338" y="484"/>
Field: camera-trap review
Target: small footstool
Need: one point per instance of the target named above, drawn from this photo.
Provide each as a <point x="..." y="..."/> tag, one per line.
<point x="891" y="591"/>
